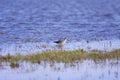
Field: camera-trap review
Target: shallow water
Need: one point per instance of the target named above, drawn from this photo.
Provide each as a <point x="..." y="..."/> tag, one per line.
<point x="43" y="21"/>
<point x="83" y="70"/>
<point x="30" y="48"/>
<point x="30" y="26"/>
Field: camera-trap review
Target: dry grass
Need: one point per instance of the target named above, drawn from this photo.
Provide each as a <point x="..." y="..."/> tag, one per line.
<point x="62" y="56"/>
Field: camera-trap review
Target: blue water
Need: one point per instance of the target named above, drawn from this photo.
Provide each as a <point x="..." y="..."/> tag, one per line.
<point x="40" y="21"/>
<point x="83" y="70"/>
<point x="30" y="26"/>
<point x="45" y="20"/>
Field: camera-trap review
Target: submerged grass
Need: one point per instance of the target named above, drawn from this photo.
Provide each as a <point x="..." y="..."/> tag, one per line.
<point x="62" y="56"/>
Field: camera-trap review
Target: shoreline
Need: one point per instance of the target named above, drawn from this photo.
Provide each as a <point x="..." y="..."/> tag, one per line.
<point x="36" y="47"/>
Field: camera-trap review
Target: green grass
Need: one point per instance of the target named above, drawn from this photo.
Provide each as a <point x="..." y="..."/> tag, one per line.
<point x="61" y="56"/>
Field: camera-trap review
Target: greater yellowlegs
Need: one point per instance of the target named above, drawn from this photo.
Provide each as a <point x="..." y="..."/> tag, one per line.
<point x="61" y="42"/>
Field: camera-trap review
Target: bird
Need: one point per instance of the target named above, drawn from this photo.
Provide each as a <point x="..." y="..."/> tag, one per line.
<point x="61" y="42"/>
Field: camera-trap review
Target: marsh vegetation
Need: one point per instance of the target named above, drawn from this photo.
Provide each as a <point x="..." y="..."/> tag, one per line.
<point x="62" y="56"/>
